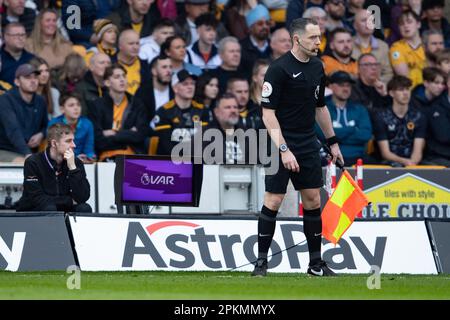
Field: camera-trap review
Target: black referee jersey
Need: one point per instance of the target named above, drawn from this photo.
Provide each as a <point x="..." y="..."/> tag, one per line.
<point x="295" y="89"/>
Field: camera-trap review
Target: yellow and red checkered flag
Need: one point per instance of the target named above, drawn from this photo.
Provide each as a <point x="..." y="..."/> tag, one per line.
<point x="341" y="209"/>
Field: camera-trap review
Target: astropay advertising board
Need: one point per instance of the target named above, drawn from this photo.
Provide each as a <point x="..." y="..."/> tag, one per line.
<point x="110" y="243"/>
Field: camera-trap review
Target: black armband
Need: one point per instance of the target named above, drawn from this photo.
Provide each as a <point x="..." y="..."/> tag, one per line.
<point x="332" y="140"/>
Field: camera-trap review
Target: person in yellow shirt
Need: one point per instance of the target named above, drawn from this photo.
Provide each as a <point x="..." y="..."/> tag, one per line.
<point x="408" y="55"/>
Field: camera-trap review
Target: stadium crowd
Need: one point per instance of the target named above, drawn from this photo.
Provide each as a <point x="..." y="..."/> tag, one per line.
<point x="136" y="76"/>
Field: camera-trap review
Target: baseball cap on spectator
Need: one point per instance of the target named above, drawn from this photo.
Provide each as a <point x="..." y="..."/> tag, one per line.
<point x="430" y="4"/>
<point x="340" y="77"/>
<point x="257" y="13"/>
<point x="197" y="1"/>
<point x="101" y="26"/>
<point x="24" y="70"/>
<point x="182" y="75"/>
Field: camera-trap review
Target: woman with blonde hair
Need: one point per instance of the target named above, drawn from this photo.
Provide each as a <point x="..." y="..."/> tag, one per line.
<point x="259" y="70"/>
<point x="45" y="89"/>
<point x="47" y="41"/>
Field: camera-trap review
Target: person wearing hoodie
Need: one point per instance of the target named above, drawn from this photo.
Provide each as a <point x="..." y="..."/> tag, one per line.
<point x="23" y="120"/>
<point x="351" y="121"/>
<point x="426" y="94"/>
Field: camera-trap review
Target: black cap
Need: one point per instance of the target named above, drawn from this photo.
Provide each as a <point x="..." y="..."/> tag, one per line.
<point x="430" y="4"/>
<point x="182" y="75"/>
<point x="340" y="77"/>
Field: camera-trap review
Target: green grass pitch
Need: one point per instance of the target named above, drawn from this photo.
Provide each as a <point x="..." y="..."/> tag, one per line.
<point x="163" y="285"/>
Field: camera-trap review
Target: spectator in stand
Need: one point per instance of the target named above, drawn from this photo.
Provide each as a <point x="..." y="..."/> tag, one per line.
<point x="340" y="57"/>
<point x="256" y="85"/>
<point x="400" y="130"/>
<point x="106" y="34"/>
<point x="226" y="120"/>
<point x="82" y="34"/>
<point x="185" y="24"/>
<point x="138" y="71"/>
<point x="206" y="90"/>
<point x="230" y="53"/>
<point x="91" y="87"/>
<point x="396" y="12"/>
<point x="365" y="42"/>
<point x="175" y="48"/>
<point x="336" y="15"/>
<point x="161" y="91"/>
<point x="320" y="16"/>
<point x="351" y="121"/>
<point x="119" y="118"/>
<point x="12" y="53"/>
<point x="16" y="12"/>
<point x="280" y="43"/>
<point x="139" y="15"/>
<point x="175" y="121"/>
<point x="443" y="61"/>
<point x="369" y="90"/>
<point x="71" y="73"/>
<point x="23" y="120"/>
<point x="45" y="88"/>
<point x="426" y="94"/>
<point x="248" y="118"/>
<point x="437" y="150"/>
<point x="259" y="71"/>
<point x="234" y="17"/>
<point x="433" y="42"/>
<point x="433" y="19"/>
<point x="151" y="45"/>
<point x="46" y="40"/>
<point x="256" y="44"/>
<point x="82" y="127"/>
<point x="408" y="55"/>
<point x="203" y="53"/>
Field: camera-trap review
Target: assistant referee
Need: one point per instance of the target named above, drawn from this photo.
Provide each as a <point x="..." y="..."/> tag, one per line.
<point x="292" y="100"/>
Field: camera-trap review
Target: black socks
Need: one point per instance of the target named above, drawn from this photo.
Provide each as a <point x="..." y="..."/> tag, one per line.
<point x="312" y="226"/>
<point x="266" y="229"/>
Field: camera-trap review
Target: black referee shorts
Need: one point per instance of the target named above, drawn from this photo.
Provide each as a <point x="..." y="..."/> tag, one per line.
<point x="309" y="177"/>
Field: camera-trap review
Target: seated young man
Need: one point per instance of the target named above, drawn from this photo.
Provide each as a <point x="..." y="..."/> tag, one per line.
<point x="401" y="129"/>
<point x="55" y="180"/>
<point x="119" y="118"/>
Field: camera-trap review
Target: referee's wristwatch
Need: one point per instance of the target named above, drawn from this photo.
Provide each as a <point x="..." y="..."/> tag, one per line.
<point x="283" y="147"/>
